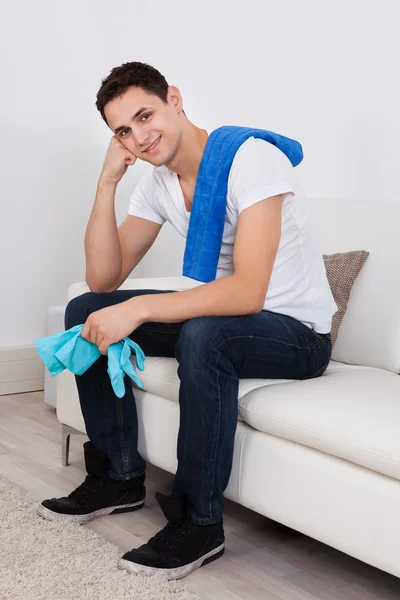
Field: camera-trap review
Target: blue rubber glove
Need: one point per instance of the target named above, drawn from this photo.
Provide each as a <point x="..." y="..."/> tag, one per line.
<point x="69" y="350"/>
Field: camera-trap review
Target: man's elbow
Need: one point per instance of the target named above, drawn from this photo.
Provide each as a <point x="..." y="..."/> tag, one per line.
<point x="253" y="298"/>
<point x="257" y="307"/>
<point x="99" y="288"/>
<point x="254" y="303"/>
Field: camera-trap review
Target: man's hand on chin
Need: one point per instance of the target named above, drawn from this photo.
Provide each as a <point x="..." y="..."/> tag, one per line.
<point x="113" y="323"/>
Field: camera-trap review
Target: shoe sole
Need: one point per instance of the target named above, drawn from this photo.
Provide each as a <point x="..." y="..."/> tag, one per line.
<point x="177" y="573"/>
<point x="51" y="515"/>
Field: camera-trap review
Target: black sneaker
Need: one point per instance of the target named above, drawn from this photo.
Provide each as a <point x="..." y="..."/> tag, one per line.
<point x="97" y="496"/>
<point x="178" y="549"/>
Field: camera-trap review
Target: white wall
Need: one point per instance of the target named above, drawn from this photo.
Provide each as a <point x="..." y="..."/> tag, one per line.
<point x="323" y="72"/>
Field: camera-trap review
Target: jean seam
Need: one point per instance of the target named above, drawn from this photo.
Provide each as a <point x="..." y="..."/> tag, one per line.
<point x="262" y="337"/>
<point x="120" y="419"/>
<point x="207" y="521"/>
<point x="218" y="434"/>
<point x="240" y="466"/>
<point x="282" y="322"/>
<point x="158" y="333"/>
<point x="131" y="475"/>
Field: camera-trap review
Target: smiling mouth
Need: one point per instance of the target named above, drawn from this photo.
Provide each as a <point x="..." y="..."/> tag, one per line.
<point x="153" y="145"/>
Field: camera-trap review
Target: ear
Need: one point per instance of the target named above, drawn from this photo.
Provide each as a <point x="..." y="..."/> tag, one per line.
<point x="175" y="98"/>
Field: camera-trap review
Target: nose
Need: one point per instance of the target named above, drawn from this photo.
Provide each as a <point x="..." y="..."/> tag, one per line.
<point x="142" y="138"/>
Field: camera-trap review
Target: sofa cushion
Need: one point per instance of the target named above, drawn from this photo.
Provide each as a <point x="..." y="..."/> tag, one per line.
<point x="350" y="412"/>
<point x="342" y="269"/>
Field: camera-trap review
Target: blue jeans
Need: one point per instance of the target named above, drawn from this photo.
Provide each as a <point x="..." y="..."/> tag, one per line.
<point x="213" y="353"/>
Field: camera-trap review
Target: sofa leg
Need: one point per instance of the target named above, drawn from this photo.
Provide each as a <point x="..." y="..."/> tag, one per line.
<point x="66" y="431"/>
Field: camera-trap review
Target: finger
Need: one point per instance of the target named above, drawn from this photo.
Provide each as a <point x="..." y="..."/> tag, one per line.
<point x="91" y="333"/>
<point x="85" y="332"/>
<point x="103" y="347"/>
<point x="129" y="156"/>
<point x="130" y="159"/>
<point x="99" y="339"/>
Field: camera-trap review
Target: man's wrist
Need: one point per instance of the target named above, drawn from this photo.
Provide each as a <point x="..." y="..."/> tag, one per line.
<point x="139" y="306"/>
<point x="105" y="181"/>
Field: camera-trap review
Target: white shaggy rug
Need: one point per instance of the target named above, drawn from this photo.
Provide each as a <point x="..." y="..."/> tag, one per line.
<point x="45" y="560"/>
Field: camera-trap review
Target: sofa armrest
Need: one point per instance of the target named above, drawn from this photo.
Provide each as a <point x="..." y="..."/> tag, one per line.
<point x="178" y="283"/>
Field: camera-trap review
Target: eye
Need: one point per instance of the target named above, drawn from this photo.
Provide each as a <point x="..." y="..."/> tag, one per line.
<point x="122" y="132"/>
<point x="145" y="115"/>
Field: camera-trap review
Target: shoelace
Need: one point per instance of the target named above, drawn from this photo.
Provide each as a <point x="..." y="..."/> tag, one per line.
<point x="162" y="540"/>
<point x="90" y="485"/>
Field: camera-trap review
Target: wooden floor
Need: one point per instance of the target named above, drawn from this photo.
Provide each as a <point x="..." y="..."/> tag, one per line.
<point x="262" y="560"/>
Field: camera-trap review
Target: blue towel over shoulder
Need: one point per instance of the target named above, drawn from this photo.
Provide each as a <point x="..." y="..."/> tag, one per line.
<point x="207" y="219"/>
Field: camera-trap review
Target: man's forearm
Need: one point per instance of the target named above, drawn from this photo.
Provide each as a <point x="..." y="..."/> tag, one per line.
<point x="102" y="247"/>
<point x="222" y="297"/>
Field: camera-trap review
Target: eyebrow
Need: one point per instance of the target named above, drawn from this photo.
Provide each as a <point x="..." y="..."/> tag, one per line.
<point x="139" y="112"/>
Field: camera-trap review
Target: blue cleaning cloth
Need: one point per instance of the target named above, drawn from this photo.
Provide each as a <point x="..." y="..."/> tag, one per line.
<point x="207" y="219"/>
<point x="69" y="350"/>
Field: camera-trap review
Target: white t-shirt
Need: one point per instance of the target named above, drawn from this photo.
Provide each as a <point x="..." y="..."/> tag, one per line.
<point x="298" y="286"/>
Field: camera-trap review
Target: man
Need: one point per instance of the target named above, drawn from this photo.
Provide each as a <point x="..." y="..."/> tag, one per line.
<point x="267" y="314"/>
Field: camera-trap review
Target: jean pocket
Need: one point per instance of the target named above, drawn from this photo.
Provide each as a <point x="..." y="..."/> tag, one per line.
<point x="323" y="336"/>
<point x="320" y="355"/>
<point x="320" y="372"/>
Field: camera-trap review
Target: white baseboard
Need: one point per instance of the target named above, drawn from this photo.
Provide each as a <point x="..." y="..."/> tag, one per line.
<point x="21" y="370"/>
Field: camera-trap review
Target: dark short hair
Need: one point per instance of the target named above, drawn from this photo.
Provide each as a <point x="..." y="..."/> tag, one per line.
<point x="131" y="74"/>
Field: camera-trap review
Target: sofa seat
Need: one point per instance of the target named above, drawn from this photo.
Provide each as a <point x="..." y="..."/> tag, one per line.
<point x="160" y="377"/>
<point x="363" y="404"/>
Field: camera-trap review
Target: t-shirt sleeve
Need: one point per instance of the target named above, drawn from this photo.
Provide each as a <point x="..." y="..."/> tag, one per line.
<point x="259" y="170"/>
<point x="141" y="202"/>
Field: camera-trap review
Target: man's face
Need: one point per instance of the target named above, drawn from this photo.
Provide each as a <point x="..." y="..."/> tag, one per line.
<point x="139" y="131"/>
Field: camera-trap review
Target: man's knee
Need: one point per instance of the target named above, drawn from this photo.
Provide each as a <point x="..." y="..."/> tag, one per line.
<point x="78" y="309"/>
<point x="195" y="337"/>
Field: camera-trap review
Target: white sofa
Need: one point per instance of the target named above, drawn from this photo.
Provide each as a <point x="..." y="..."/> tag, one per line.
<point x="321" y="456"/>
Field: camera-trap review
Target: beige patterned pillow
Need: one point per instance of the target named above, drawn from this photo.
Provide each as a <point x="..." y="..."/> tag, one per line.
<point x="342" y="270"/>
